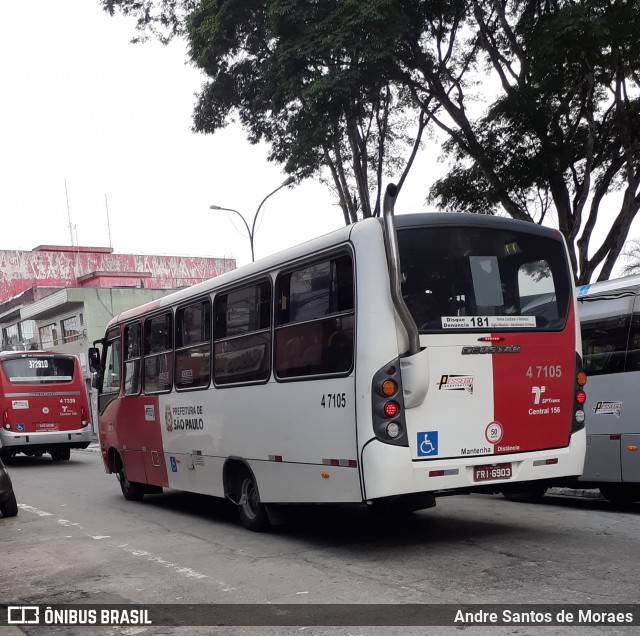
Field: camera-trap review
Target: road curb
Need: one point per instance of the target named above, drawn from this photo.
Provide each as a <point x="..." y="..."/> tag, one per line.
<point x="576" y="492"/>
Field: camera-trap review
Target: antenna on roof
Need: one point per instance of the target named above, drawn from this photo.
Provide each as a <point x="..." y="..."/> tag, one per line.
<point x="66" y="192"/>
<point x="106" y="205"/>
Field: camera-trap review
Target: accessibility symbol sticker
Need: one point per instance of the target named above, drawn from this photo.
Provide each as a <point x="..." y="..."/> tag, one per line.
<point x="174" y="466"/>
<point x="427" y="443"/>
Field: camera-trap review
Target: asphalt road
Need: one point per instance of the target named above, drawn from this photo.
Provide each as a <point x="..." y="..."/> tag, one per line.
<point x="76" y="540"/>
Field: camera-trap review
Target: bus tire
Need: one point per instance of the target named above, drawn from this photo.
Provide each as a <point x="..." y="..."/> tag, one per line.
<point x="252" y="512"/>
<point x="621" y="494"/>
<point x="57" y="454"/>
<point x="532" y="493"/>
<point x="131" y="490"/>
<point x="9" y="507"/>
<point x="66" y="454"/>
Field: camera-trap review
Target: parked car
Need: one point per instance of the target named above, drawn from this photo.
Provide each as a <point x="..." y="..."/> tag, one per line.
<point x="8" y="503"/>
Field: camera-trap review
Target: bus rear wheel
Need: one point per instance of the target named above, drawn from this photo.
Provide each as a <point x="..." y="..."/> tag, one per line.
<point x="621" y="494"/>
<point x="131" y="490"/>
<point x="9" y="507"/>
<point x="252" y="512"/>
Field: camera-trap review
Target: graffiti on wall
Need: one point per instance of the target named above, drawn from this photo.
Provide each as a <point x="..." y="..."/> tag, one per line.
<point x="54" y="266"/>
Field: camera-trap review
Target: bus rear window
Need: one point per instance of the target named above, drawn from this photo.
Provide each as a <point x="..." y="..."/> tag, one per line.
<point x="484" y="279"/>
<point x="38" y="370"/>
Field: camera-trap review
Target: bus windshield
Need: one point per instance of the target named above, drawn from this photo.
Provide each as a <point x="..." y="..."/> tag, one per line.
<point x="39" y="370"/>
<point x="474" y="278"/>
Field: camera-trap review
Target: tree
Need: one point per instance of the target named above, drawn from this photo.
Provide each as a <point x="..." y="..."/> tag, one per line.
<point x="564" y="128"/>
<point x="631" y="254"/>
<point x="302" y="76"/>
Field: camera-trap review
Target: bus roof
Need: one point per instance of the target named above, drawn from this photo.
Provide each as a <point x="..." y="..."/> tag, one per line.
<point x="626" y="285"/>
<point x="456" y="219"/>
<point x="6" y="355"/>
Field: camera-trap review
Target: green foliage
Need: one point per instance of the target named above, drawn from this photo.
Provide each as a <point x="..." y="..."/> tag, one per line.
<point x="303" y="76"/>
<point x="563" y="129"/>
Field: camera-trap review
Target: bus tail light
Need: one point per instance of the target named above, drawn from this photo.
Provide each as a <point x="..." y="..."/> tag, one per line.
<point x="6" y="421"/>
<point x="387" y="383"/>
<point x="391" y="409"/>
<point x="388" y="388"/>
<point x="580" y="397"/>
<point x="394" y="430"/>
<point x="84" y="420"/>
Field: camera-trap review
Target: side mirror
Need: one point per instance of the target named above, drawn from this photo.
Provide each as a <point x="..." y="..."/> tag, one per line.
<point x="94" y="360"/>
<point x="95" y="380"/>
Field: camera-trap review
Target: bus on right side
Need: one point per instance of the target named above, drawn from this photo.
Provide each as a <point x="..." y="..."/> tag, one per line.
<point x="609" y="313"/>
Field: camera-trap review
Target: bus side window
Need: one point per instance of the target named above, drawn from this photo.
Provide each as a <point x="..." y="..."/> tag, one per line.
<point x="132" y="349"/>
<point x="315" y="320"/>
<point x="193" y="345"/>
<point x="111" y="377"/>
<point x="158" y="353"/>
<point x="633" y="353"/>
<point x="604" y="345"/>
<point x="242" y="334"/>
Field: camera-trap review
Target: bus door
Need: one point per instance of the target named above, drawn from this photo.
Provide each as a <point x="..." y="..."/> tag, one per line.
<point x="157" y="379"/>
<point x="494" y="310"/>
<point x="115" y="428"/>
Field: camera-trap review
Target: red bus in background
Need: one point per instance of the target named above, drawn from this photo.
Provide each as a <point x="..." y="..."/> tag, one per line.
<point x="44" y="405"/>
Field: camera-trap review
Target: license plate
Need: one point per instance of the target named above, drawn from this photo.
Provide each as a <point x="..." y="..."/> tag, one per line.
<point x="491" y="472"/>
<point x="47" y="425"/>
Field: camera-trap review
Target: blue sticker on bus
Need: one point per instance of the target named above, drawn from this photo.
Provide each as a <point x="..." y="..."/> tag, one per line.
<point x="174" y="466"/>
<point x="583" y="290"/>
<point x="427" y="443"/>
<point x="20" y="427"/>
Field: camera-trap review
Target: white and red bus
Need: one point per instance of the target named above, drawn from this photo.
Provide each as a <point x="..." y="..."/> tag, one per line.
<point x="385" y="363"/>
<point x="44" y="404"/>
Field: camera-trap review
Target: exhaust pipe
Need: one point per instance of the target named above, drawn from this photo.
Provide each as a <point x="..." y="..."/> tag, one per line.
<point x="393" y="260"/>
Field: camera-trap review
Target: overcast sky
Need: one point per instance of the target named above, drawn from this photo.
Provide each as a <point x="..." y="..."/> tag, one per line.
<point x="81" y="104"/>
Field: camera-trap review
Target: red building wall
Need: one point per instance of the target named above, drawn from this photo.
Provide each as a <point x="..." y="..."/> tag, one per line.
<point x="62" y="266"/>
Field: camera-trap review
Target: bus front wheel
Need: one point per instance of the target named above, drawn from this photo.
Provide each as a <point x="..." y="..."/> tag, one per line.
<point x="621" y="494"/>
<point x="130" y="489"/>
<point x="252" y="512"/>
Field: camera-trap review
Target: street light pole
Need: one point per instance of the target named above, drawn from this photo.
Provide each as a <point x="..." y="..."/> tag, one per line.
<point x="286" y="182"/>
<point x="251" y="232"/>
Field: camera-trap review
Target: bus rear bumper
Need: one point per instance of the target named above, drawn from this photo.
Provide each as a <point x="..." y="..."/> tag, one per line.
<point x="79" y="438"/>
<point x="389" y="470"/>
